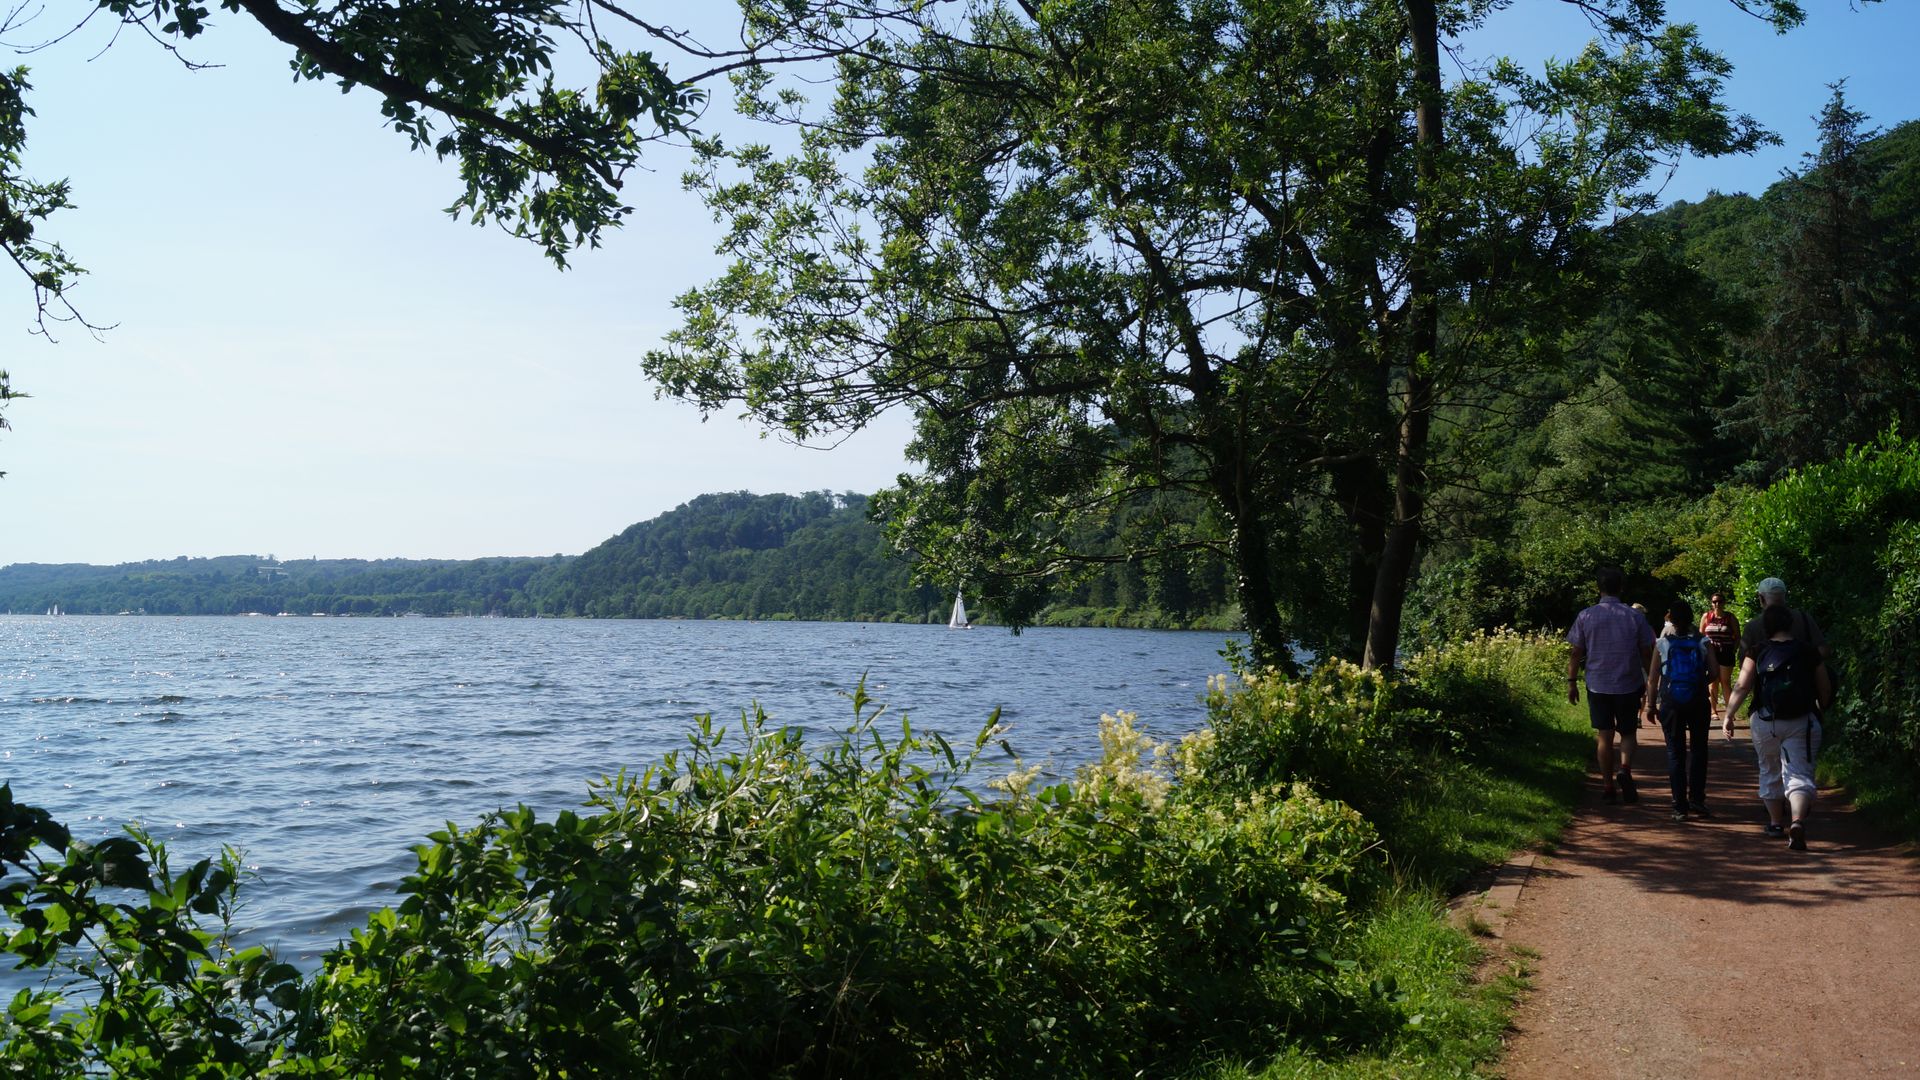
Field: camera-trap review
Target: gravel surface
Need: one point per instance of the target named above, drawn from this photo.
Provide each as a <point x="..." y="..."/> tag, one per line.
<point x="1705" y="949"/>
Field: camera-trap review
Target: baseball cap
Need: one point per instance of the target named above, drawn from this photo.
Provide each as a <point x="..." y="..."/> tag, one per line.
<point x="1773" y="585"/>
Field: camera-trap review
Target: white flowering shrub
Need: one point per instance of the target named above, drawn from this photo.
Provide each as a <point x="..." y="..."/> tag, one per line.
<point x="1460" y="695"/>
<point x="1131" y="761"/>
<point x="1333" y="730"/>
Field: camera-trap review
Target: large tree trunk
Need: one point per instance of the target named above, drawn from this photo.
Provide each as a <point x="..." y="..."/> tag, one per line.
<point x="1403" y="536"/>
<point x="1365" y="494"/>
<point x="1421" y="342"/>
<point x="1253" y="568"/>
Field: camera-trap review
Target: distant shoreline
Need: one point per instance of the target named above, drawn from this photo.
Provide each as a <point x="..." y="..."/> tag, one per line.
<point x="1201" y="626"/>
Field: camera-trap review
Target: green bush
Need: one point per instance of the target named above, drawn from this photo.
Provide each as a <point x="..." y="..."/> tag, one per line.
<point x="163" y="993"/>
<point x="1362" y="737"/>
<point x="754" y="906"/>
<point x="1471" y="692"/>
<point x="1843" y="535"/>
<point x="768" y="912"/>
<point x="1334" y="728"/>
<point x="751" y="907"/>
<point x="1825" y="529"/>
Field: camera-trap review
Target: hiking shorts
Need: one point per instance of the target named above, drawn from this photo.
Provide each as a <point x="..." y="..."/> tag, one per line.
<point x="1614" y="712"/>
<point x="1786" y="750"/>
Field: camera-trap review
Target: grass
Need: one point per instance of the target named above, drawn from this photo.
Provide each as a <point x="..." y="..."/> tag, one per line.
<point x="1883" y="789"/>
<point x="1463" y="817"/>
<point x="1466" y="815"/>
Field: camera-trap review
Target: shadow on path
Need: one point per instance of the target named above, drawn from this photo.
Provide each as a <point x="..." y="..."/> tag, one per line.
<point x="1708" y="949"/>
<point x="1728" y="857"/>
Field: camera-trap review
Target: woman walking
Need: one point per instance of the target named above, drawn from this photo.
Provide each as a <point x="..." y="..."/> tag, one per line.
<point x="1679" y="685"/>
<point x="1723" y="631"/>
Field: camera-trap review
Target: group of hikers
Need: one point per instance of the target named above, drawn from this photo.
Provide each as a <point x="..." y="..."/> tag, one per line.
<point x="1682" y="679"/>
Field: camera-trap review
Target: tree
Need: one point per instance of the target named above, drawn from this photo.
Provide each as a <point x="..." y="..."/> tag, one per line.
<point x="1246" y="250"/>
<point x="1832" y="365"/>
<point x="1249" y="251"/>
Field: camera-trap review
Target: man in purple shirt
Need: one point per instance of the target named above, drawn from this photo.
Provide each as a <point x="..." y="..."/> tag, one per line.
<point x="1615" y="644"/>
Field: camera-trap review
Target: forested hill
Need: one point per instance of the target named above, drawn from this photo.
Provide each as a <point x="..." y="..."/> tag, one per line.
<point x="239" y="584"/>
<point x="733" y="555"/>
<point x="1764" y="334"/>
<point x="737" y="555"/>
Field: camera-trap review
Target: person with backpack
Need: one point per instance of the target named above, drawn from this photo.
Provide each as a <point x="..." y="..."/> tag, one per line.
<point x="1789" y="682"/>
<point x="1613" y="643"/>
<point x="1721" y="630"/>
<point x="1773" y="593"/>
<point x="1680" y="687"/>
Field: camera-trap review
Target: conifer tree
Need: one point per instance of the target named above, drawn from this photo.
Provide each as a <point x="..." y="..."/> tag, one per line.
<point x="1829" y="366"/>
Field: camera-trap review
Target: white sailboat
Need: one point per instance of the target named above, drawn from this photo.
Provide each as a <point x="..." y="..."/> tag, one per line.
<point x="959" y="619"/>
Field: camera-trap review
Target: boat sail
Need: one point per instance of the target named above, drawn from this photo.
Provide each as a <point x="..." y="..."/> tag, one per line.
<point x="959" y="619"/>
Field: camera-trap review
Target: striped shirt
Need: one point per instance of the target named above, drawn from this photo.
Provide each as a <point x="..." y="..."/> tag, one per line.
<point x="1615" y="638"/>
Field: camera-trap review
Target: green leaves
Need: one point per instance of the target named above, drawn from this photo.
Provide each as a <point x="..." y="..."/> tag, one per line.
<point x="1104" y="250"/>
<point x="755" y="904"/>
<point x="162" y="995"/>
<point x="25" y="204"/>
<point x="1842" y="535"/>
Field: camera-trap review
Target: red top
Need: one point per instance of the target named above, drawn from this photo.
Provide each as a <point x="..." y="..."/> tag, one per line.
<point x="1720" y="628"/>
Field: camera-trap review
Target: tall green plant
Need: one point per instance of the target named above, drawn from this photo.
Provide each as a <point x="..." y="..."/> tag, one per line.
<point x="1823" y="529"/>
<point x="763" y="911"/>
<point x="1843" y="536"/>
<point x="1244" y="251"/>
<point x="1834" y="362"/>
<point x="143" y="977"/>
<point x="752" y="906"/>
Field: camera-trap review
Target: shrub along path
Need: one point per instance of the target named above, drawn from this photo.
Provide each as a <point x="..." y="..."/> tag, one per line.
<point x="1709" y="950"/>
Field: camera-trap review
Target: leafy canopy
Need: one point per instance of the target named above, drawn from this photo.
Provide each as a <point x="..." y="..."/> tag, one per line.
<point x="1100" y="249"/>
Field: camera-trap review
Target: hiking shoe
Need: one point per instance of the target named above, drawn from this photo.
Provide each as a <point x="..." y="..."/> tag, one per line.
<point x="1699" y="810"/>
<point x="1775" y="831"/>
<point x="1679" y="814"/>
<point x="1628" y="793"/>
<point x="1797" y="836"/>
<point x="1609" y="796"/>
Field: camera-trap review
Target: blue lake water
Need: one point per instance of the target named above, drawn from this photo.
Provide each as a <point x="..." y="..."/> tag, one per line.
<point x="325" y="748"/>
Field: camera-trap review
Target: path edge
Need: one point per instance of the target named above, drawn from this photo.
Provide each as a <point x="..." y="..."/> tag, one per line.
<point x="1485" y="906"/>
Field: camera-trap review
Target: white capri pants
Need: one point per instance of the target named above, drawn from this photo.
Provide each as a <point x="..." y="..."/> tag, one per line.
<point x="1786" y="746"/>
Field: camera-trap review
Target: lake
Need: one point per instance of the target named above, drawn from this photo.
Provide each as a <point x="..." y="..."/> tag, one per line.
<point x="325" y="748"/>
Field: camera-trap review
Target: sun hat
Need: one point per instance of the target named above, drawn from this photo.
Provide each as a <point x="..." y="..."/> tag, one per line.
<point x="1774" y="586"/>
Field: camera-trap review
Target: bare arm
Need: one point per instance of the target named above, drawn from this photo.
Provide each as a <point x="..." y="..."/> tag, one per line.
<point x="1576" y="659"/>
<point x="1740" y="691"/>
<point x="1653" y="685"/>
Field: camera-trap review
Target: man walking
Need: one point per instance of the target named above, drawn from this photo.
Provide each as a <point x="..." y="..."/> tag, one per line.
<point x="1614" y="644"/>
<point x="1773" y="592"/>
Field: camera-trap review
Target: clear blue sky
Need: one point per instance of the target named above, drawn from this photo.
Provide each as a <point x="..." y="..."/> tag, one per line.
<point x="309" y="359"/>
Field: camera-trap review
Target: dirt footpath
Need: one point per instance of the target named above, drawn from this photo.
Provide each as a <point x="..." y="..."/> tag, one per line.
<point x="1708" y="950"/>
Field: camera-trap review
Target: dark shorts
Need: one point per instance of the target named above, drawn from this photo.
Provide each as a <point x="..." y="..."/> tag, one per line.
<point x="1724" y="654"/>
<point x="1613" y="712"/>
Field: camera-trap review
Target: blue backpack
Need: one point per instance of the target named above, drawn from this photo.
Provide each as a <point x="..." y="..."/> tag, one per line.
<point x="1685" y="672"/>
